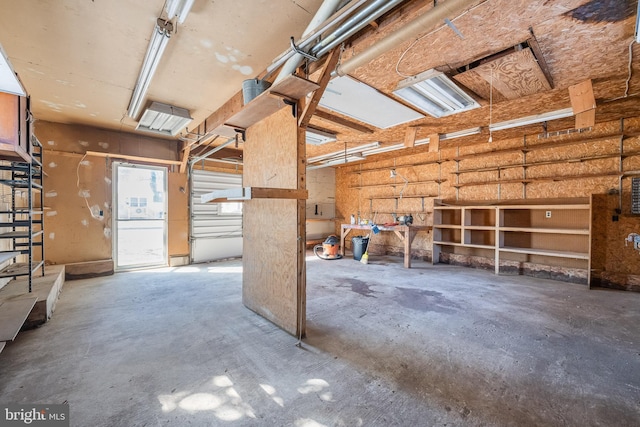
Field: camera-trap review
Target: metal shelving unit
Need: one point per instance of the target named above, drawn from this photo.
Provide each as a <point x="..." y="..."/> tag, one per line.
<point x="25" y="223"/>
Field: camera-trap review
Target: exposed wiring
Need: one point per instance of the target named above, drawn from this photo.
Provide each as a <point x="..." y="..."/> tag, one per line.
<point x="82" y="193"/>
<point x="428" y="34"/>
<point x="626" y="90"/>
<point x="628" y="81"/>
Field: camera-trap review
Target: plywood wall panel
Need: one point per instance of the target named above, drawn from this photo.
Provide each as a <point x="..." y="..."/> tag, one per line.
<point x="270" y="284"/>
<point x="178" y="214"/>
<point x="269" y="260"/>
<point x="72" y="234"/>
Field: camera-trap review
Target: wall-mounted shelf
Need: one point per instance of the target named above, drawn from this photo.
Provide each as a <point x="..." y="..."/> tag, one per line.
<point x="291" y="88"/>
<point x="543" y="228"/>
<point x="537" y="179"/>
<point x="398" y="184"/>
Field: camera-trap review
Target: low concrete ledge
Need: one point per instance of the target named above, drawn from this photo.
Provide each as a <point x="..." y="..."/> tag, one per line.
<point x="88" y="269"/>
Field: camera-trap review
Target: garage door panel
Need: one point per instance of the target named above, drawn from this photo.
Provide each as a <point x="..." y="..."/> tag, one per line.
<point x="213" y="235"/>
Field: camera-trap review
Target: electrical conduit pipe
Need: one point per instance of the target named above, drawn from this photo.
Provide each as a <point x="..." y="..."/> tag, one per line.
<point x="327" y="9"/>
<point x="422" y="24"/>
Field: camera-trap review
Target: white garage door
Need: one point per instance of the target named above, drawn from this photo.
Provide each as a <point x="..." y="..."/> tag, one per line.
<point x="216" y="228"/>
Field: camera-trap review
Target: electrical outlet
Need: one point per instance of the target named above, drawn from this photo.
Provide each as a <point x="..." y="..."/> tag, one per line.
<point x="547" y="214"/>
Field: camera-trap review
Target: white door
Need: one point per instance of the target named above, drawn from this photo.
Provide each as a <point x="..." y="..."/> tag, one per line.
<point x="140" y="203"/>
<point x="216" y="228"/>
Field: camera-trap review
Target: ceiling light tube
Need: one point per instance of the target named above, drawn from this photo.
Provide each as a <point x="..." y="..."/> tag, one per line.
<point x="459" y="134"/>
<point x="358" y="149"/>
<point x="179" y="9"/>
<point x="157" y="45"/>
<point x="383" y="149"/>
<point x="337" y="162"/>
<point x="529" y="120"/>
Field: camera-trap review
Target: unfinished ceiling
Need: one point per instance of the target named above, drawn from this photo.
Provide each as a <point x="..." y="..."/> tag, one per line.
<point x="80" y="61"/>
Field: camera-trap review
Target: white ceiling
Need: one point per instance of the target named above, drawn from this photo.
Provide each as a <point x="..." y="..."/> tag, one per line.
<point x="79" y="59"/>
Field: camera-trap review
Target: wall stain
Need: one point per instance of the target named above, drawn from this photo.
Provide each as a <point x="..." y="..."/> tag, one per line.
<point x="360" y="287"/>
<point x="603" y="11"/>
<point x="424" y="300"/>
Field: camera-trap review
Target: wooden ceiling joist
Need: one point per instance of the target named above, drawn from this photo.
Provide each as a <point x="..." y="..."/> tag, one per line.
<point x="342" y="121"/>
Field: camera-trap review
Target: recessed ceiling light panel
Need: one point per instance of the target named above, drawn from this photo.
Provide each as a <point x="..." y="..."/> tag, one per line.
<point x="164" y="119"/>
<point x="357" y="100"/>
<point x="435" y="94"/>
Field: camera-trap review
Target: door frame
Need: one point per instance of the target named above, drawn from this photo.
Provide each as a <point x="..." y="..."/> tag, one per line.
<point x="114" y="225"/>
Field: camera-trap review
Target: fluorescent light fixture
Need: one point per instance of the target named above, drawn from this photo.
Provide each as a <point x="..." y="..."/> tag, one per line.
<point x="318" y="137"/>
<point x="157" y="44"/>
<point x="359" y="101"/>
<point x="179" y="9"/>
<point x="9" y="81"/>
<point x="337" y="162"/>
<point x="394" y="147"/>
<point x="164" y="119"/>
<point x="340" y="154"/>
<point x="460" y="133"/>
<point x="529" y="120"/>
<point x="435" y="94"/>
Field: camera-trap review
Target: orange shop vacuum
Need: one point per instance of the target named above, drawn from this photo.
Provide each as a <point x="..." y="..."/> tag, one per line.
<point x="330" y="249"/>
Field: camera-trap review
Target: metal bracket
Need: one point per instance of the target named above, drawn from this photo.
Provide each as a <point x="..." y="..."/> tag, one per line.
<point x="242" y="132"/>
<point x="294" y="106"/>
<point x="299" y="51"/>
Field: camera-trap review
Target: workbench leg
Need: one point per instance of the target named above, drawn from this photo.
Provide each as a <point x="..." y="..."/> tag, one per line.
<point x="408" y="240"/>
<point x="343" y="235"/>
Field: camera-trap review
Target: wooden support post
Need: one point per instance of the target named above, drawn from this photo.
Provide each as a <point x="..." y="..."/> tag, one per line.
<point x="302" y="233"/>
<point x="434" y="143"/>
<point x="410" y="137"/>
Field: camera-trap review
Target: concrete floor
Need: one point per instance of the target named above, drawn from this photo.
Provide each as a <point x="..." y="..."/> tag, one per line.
<point x="430" y="346"/>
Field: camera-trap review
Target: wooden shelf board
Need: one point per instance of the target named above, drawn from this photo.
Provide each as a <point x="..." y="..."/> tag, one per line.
<point x="448" y="226"/>
<point x="546" y="230"/>
<point x="13" y="313"/>
<point x="292" y="87"/>
<point x="545" y="252"/>
<point x="480" y="227"/>
<point x="475" y="246"/>
<point x="411" y="196"/>
<point x="577" y="206"/>
<point x="538" y="179"/>
<point x="320" y="219"/>
<point x="446" y="243"/>
<point x="398" y="184"/>
<point x="538" y="146"/>
<point x="542" y="163"/>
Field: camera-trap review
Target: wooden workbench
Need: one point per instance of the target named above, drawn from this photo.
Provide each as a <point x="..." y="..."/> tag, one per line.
<point x="406" y="233"/>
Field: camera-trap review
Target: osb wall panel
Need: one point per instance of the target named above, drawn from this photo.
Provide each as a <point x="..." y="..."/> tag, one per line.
<point x="270" y="230"/>
<point x="72" y="233"/>
<point x="616" y="264"/>
<point x="178" y="214"/>
<point x="569" y="177"/>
